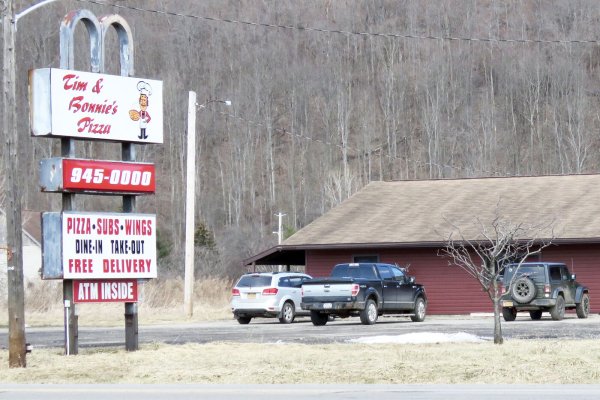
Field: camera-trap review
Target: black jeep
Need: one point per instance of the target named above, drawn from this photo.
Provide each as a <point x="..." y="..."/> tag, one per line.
<point x="542" y="286"/>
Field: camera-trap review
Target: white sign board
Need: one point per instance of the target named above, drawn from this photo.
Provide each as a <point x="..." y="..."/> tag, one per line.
<point x="86" y="105"/>
<point x="108" y="245"/>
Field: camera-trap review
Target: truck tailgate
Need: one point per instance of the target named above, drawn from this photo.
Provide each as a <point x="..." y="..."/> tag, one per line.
<point x="328" y="290"/>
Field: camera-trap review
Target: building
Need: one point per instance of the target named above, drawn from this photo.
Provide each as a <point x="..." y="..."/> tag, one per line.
<point x="409" y="222"/>
<point x="32" y="248"/>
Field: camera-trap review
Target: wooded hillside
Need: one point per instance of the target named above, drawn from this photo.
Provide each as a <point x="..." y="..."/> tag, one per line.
<point x="329" y="95"/>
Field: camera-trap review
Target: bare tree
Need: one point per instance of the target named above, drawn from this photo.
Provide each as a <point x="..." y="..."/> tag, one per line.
<point x="501" y="242"/>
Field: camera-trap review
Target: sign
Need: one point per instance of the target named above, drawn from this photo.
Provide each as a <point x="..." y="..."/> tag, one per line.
<point x="90" y="176"/>
<point x="105" y="291"/>
<point x="88" y="245"/>
<point x="86" y="105"/>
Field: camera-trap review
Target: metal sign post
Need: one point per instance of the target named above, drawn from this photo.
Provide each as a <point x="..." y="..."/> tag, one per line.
<point x="67" y="338"/>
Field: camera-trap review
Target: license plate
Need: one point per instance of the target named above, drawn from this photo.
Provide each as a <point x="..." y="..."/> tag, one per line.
<point x="507" y="303"/>
<point x="327" y="305"/>
<point x="251" y="295"/>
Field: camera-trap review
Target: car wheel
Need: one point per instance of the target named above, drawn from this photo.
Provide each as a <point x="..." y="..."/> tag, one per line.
<point x="420" y="311"/>
<point x="558" y="311"/>
<point x="583" y="308"/>
<point x="509" y="313"/>
<point x="368" y="316"/>
<point x="243" y="320"/>
<point x="287" y="313"/>
<point x="523" y="290"/>
<point x="317" y="318"/>
<point x="535" y="315"/>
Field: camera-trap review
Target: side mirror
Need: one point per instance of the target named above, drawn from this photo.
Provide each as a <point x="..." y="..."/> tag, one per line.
<point x="573" y="277"/>
<point x="410" y="279"/>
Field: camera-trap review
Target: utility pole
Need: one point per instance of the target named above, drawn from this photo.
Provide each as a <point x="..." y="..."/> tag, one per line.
<point x="190" y="200"/>
<point x="14" y="239"/>
<point x="280" y="228"/>
<point x="280" y="232"/>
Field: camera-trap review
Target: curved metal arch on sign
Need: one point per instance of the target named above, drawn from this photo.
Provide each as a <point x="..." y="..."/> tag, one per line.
<point x="67" y="39"/>
<point x="125" y="42"/>
<point x="97" y="30"/>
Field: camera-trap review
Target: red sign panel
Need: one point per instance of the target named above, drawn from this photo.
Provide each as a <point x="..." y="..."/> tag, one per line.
<point x="105" y="291"/>
<point x="108" y="176"/>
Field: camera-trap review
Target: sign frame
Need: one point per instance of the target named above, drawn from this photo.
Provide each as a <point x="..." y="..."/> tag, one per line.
<point x="94" y="106"/>
<point x="91" y="245"/>
<point x="74" y="175"/>
<point x="106" y="291"/>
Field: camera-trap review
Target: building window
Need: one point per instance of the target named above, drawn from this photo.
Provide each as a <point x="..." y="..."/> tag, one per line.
<point x="365" y="259"/>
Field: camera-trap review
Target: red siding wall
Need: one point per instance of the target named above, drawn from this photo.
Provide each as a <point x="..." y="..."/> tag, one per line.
<point x="449" y="289"/>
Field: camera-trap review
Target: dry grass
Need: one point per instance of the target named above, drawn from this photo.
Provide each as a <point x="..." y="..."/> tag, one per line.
<point x="519" y="361"/>
<point x="161" y="301"/>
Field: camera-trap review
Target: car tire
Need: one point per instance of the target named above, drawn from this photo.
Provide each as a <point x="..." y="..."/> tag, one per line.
<point x="523" y="290"/>
<point x="243" y="320"/>
<point x="420" y="310"/>
<point x="583" y="307"/>
<point x="368" y="316"/>
<point x="509" y="313"/>
<point x="535" y="315"/>
<point x="287" y="313"/>
<point x="557" y="312"/>
<point x="318" y="319"/>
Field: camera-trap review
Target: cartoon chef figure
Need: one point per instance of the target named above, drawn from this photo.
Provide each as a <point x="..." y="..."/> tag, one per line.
<point x="142" y="114"/>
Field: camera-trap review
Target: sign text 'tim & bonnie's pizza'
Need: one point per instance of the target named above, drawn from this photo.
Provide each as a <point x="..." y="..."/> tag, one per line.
<point x="88" y="105"/>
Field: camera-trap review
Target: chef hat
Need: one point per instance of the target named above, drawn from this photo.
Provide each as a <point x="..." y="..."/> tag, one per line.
<point x="144" y="88"/>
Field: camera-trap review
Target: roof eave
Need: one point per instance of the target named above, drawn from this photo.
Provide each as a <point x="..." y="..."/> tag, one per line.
<point x="295" y="254"/>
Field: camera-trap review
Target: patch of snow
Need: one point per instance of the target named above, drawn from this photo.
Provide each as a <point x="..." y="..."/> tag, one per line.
<point x="421" y="338"/>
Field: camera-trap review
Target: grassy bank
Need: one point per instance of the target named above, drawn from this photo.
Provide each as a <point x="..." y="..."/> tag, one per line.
<point x="516" y="361"/>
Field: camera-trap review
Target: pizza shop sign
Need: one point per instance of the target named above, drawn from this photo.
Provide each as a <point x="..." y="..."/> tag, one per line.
<point x="99" y="245"/>
<point x="93" y="291"/>
<point x="87" y="105"/>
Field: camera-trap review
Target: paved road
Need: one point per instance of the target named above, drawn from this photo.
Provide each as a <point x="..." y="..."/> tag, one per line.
<point x="302" y="331"/>
<point x="298" y="392"/>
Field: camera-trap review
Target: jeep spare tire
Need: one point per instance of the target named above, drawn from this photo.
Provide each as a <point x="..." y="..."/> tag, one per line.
<point x="523" y="290"/>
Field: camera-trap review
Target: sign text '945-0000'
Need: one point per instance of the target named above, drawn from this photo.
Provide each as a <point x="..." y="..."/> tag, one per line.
<point x="96" y="176"/>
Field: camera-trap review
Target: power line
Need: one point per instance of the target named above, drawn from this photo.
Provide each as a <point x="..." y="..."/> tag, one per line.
<point x="348" y="33"/>
<point x="342" y="32"/>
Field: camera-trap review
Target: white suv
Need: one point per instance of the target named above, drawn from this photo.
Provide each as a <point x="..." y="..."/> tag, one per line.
<point x="268" y="294"/>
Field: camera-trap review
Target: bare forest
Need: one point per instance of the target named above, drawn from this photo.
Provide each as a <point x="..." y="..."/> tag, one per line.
<point x="326" y="97"/>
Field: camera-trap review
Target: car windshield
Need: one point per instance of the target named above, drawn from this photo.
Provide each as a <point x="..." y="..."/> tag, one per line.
<point x="366" y="271"/>
<point x="523" y="270"/>
<point x="254" y="281"/>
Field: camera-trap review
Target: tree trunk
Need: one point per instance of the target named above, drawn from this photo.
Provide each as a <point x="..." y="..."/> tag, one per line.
<point x="498" y="339"/>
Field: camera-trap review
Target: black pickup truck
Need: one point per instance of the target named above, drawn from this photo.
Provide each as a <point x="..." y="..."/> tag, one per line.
<point x="366" y="290"/>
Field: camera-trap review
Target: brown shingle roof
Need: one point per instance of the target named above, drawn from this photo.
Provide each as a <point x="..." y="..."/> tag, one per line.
<point x="420" y="212"/>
